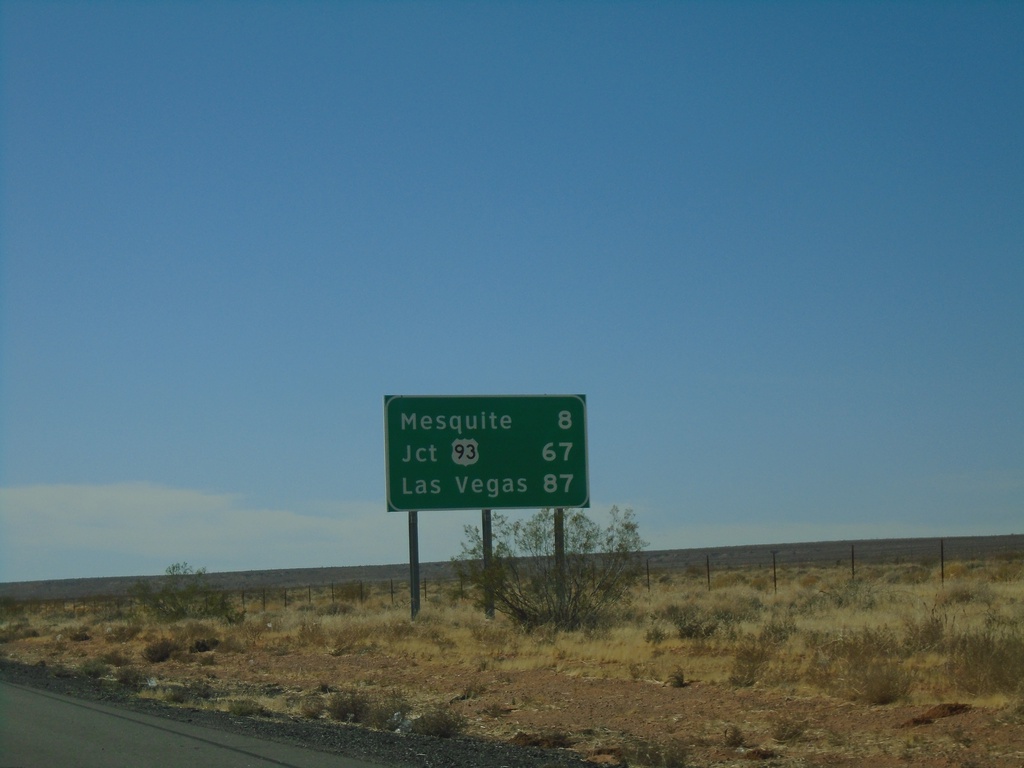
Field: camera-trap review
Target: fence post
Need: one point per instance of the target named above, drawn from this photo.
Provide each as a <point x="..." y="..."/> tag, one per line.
<point x="775" y="578"/>
<point x="942" y="561"/>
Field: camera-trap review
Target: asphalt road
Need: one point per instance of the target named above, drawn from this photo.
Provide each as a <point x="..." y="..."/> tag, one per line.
<point x="40" y="728"/>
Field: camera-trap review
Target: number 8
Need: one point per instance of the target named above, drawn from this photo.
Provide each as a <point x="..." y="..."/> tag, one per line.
<point x="564" y="420"/>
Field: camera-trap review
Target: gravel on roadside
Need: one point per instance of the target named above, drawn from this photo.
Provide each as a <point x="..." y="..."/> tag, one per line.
<point x="395" y="750"/>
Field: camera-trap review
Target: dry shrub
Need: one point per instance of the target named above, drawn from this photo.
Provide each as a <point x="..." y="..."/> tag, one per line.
<point x="174" y="694"/>
<point x="691" y="621"/>
<point x="440" y="638"/>
<point x="809" y="580"/>
<point x="909" y="574"/>
<point x="545" y="740"/>
<point x="962" y="593"/>
<point x="311" y="707"/>
<point x="734" y="737"/>
<point x="494" y="635"/>
<point x="862" y="666"/>
<point x="94" y="669"/>
<point x="116" y="658"/>
<point x="352" y="637"/>
<point x="399" y="629"/>
<point x="1014" y="711"/>
<point x="754" y="652"/>
<point x="988" y="661"/>
<point x="190" y="631"/>
<point x="244" y="636"/>
<point x="18" y="631"/>
<point x="925" y="634"/>
<point x="121" y="633"/>
<point x="311" y="633"/>
<point x="853" y="593"/>
<point x="673" y="754"/>
<point x="655" y="634"/>
<point x="245" y="707"/>
<point x="440" y="721"/>
<point x="788" y="731"/>
<point x="130" y="677"/>
<point x="388" y="713"/>
<point x="334" y="609"/>
<point x="349" y="706"/>
<point x="161" y="650"/>
<point x="881" y="681"/>
<point x="677" y="679"/>
<point x="956" y="570"/>
<point x="751" y="657"/>
<point x="1008" y="571"/>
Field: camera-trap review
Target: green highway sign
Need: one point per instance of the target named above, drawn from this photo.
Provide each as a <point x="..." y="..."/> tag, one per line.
<point x="485" y="452"/>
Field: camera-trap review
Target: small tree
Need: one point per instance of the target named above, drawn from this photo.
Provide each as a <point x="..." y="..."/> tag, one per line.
<point x="530" y="585"/>
<point x="183" y="593"/>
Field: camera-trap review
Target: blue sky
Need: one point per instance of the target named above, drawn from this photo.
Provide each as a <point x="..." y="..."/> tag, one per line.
<point x="778" y="246"/>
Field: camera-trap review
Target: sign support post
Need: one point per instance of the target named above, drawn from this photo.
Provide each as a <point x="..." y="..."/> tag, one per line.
<point x="414" y="564"/>
<point x="485" y="530"/>
<point x="560" y="557"/>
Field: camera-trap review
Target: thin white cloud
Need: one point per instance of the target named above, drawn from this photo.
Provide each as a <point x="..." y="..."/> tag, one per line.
<point x="72" y="531"/>
<point x="129" y="529"/>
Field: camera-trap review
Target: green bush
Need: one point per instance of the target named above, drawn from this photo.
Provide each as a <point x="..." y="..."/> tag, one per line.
<point x="182" y="593"/>
<point x="529" y="584"/>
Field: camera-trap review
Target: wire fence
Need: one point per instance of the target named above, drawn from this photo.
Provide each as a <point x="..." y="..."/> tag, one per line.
<point x="695" y="567"/>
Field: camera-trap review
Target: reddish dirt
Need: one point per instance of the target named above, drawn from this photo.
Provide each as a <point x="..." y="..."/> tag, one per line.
<point x="717" y="724"/>
<point x="607" y="720"/>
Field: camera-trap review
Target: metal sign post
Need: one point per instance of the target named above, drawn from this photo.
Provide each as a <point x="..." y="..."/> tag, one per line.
<point x="485" y="530"/>
<point x="484" y="452"/>
<point x="414" y="564"/>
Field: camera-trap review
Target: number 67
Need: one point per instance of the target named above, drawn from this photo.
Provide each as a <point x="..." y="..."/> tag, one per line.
<point x="549" y="454"/>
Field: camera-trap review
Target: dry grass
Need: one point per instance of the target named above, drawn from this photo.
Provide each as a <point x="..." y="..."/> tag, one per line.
<point x="892" y="635"/>
<point x="883" y="637"/>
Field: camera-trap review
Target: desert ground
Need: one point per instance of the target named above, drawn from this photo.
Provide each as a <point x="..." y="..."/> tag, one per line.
<point x="906" y="662"/>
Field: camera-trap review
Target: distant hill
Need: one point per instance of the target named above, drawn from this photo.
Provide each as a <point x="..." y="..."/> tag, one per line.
<point x="820" y="553"/>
